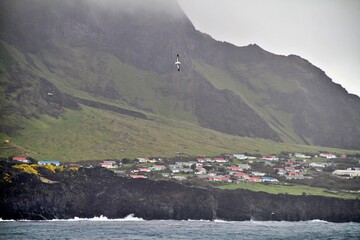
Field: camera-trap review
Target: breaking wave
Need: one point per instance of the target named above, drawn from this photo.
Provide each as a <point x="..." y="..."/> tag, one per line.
<point x="102" y="218"/>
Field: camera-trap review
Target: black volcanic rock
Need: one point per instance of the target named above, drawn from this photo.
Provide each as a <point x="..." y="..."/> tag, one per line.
<point x="94" y="192"/>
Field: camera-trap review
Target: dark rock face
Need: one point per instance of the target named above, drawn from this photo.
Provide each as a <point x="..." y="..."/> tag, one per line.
<point x="245" y="205"/>
<point x="94" y="192"/>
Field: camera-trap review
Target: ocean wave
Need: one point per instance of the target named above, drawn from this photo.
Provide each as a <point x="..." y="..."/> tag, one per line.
<point x="7" y="220"/>
<point x="318" y="220"/>
<point x="102" y="218"/>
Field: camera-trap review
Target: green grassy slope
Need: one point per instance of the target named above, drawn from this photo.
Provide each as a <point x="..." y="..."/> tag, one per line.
<point x="292" y="190"/>
<point x="80" y="71"/>
<point x="99" y="134"/>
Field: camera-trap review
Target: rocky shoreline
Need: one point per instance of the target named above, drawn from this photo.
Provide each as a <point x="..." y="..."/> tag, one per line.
<point x="86" y="193"/>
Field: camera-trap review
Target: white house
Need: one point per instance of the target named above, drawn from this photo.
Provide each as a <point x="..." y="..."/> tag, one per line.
<point x="270" y="158"/>
<point x="327" y="155"/>
<point x="244" y="166"/>
<point x="350" y="172"/>
<point x="240" y="156"/>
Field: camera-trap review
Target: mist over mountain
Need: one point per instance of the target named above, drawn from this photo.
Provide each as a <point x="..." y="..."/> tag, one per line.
<point x="119" y="55"/>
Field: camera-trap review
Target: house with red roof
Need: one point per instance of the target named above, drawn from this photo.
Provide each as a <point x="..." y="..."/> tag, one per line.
<point x="137" y="176"/>
<point x="270" y="158"/>
<point x="219" y="179"/>
<point x="144" y="169"/>
<point x="220" y="160"/>
<point x="108" y="164"/>
<point x="21" y="159"/>
<point x="241" y="175"/>
<point x="254" y="179"/>
<point x="235" y="168"/>
<point x="327" y="155"/>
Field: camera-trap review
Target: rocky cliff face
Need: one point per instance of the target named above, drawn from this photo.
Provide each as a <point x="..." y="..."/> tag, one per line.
<point x="94" y="192"/>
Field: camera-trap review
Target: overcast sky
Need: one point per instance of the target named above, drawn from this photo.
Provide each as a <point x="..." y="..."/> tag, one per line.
<point x="325" y="32"/>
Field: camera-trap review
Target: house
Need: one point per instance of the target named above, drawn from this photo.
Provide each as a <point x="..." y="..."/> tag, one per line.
<point x="235" y="168"/>
<point x="244" y="166"/>
<point x="143" y="160"/>
<point x="212" y="173"/>
<point x="174" y="168"/>
<point x="186" y="170"/>
<point x="220" y="160"/>
<point x="158" y="167"/>
<point x="200" y="160"/>
<point x="270" y="158"/>
<point x="348" y="173"/>
<point x="241" y="175"/>
<point x="21" y="159"/>
<point x="254" y="179"/>
<point x="137" y="176"/>
<point x="289" y="164"/>
<point x="257" y="174"/>
<point x="200" y="171"/>
<point x="143" y="169"/>
<point x="219" y="179"/>
<point x="49" y="162"/>
<point x="327" y="155"/>
<point x="293" y="173"/>
<point x="318" y="165"/>
<point x="269" y="164"/>
<point x="180" y="178"/>
<point x="108" y="164"/>
<point x="209" y="160"/>
<point x="186" y="164"/>
<point x="269" y="179"/>
<point x="240" y="156"/>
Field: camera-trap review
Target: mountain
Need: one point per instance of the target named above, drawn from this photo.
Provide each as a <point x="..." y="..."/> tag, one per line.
<point x="118" y="56"/>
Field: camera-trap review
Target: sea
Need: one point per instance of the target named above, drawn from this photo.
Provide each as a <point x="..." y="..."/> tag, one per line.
<point x="131" y="227"/>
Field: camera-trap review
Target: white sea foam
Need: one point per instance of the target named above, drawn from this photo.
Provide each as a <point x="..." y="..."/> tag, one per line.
<point x="102" y="218"/>
<point x="318" y="220"/>
<point x="6" y="220"/>
<point x="222" y="221"/>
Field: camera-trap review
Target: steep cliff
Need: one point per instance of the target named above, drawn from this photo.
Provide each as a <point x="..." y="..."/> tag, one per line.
<point x="95" y="192"/>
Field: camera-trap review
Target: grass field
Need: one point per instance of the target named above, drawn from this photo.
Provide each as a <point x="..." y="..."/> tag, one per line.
<point x="288" y="189"/>
<point x="93" y="134"/>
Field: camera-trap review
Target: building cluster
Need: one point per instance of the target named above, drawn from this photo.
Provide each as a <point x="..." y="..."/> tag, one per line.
<point x="235" y="168"/>
<point x="231" y="168"/>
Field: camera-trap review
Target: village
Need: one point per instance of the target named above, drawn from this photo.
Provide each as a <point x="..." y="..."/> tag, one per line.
<point x="226" y="168"/>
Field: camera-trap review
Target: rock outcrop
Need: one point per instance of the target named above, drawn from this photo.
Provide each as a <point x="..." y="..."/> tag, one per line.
<point x="94" y="192"/>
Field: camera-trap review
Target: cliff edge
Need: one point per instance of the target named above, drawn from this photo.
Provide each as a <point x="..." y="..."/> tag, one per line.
<point x="85" y="193"/>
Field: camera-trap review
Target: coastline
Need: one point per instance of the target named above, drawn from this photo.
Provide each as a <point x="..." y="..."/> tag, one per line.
<point x="87" y="193"/>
